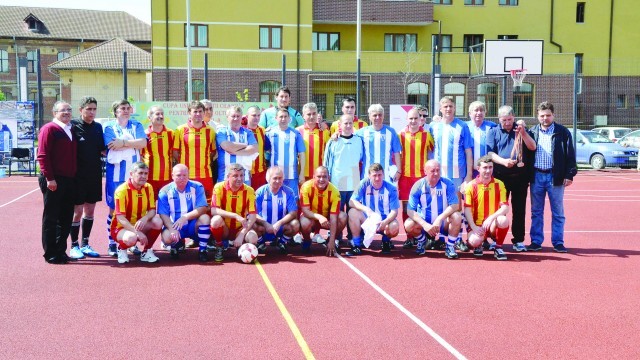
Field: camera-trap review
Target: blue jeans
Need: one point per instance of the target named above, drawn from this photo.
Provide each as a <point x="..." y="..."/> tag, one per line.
<point x="543" y="185"/>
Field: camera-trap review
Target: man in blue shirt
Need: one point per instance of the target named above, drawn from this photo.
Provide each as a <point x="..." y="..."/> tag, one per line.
<point x="283" y="99"/>
<point x="233" y="141"/>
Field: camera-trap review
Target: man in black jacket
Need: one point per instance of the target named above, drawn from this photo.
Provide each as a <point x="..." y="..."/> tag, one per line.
<point x="553" y="170"/>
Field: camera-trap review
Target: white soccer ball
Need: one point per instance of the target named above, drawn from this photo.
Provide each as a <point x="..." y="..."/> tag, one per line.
<point x="247" y="253"/>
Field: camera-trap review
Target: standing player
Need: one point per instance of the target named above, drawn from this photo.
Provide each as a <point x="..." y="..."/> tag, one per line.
<point x="124" y="138"/>
<point x="88" y="177"/>
<point x="416" y="144"/>
<point x="433" y="209"/>
<point x="268" y="118"/>
<point x="158" y="152"/>
<point x="258" y="171"/>
<point x="233" y="141"/>
<point x="479" y="129"/>
<point x="135" y="215"/>
<point x="320" y="203"/>
<point x="374" y="195"/>
<point x="381" y="143"/>
<point x="287" y="150"/>
<point x="233" y="212"/>
<point x="348" y="108"/>
<point x="315" y="140"/>
<point x="344" y="158"/>
<point x="277" y="208"/>
<point x="486" y="209"/>
<point x="182" y="206"/>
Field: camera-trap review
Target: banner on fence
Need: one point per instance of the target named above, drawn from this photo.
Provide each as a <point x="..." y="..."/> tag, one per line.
<point x="16" y="130"/>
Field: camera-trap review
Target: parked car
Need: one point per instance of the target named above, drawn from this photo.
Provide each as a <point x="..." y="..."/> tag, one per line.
<point x="612" y="133"/>
<point x="632" y="139"/>
<point x="599" y="151"/>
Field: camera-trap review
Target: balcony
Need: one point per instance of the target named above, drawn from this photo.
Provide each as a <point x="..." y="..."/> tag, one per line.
<point x="378" y="12"/>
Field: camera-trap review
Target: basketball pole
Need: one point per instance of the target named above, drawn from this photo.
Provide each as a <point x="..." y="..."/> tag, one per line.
<point x="575" y="103"/>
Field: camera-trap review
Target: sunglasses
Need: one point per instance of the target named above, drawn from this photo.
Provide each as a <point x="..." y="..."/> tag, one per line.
<point x="423" y="115"/>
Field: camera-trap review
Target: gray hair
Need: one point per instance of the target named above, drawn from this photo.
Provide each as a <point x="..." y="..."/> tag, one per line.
<point x="505" y="110"/>
<point x="153" y="109"/>
<point x="376" y="108"/>
<point x="309" y="106"/>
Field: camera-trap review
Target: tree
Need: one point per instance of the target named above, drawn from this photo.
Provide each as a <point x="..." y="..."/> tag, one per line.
<point x="408" y="74"/>
<point x="2" y="96"/>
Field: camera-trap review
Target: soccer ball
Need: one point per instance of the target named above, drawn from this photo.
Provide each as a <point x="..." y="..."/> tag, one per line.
<point x="247" y="253"/>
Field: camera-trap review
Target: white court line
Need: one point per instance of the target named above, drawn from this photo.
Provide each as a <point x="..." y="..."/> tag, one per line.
<point x="18" y="198"/>
<point x="404" y="310"/>
<point x="609" y="200"/>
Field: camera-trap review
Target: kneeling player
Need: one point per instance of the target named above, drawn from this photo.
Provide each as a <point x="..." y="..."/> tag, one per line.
<point x="135" y="213"/>
<point x="433" y="210"/>
<point x="277" y="211"/>
<point x="233" y="211"/>
<point x="182" y="206"/>
<point x="374" y="195"/>
<point x="320" y="202"/>
<point x="486" y="209"/>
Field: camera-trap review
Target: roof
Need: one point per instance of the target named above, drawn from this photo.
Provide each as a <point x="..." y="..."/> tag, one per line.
<point x="106" y="56"/>
<point x="72" y="24"/>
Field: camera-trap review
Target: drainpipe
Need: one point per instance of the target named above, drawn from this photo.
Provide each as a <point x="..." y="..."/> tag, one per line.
<point x="298" y="56"/>
<point x="551" y="29"/>
<point x="609" y="62"/>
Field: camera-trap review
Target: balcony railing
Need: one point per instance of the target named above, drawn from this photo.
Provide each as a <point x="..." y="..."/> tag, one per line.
<point x="383" y="12"/>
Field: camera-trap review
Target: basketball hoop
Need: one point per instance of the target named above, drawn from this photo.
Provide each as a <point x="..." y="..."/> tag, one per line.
<point x="518" y="76"/>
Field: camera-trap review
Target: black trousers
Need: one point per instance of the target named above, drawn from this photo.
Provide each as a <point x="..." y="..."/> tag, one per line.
<point x="57" y="215"/>
<point x="517" y="187"/>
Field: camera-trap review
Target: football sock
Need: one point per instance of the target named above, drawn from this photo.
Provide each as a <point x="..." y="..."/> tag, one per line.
<point x="357" y="241"/>
<point x="75" y="230"/>
<point x="217" y="235"/>
<point x="152" y="235"/>
<point x="451" y="240"/>
<point x="501" y="234"/>
<point x="109" y="218"/>
<point x="87" y="225"/>
<point x="204" y="233"/>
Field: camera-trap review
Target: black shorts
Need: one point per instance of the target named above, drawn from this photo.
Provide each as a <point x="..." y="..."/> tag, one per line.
<point x="88" y="190"/>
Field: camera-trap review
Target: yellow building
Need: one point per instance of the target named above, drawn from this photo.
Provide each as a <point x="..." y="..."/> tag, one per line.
<point x="245" y="43"/>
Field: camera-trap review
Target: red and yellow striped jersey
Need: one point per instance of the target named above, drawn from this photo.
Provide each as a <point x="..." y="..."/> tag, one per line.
<point x="259" y="164"/>
<point x="158" y="153"/>
<point x="323" y="202"/>
<point x="414" y="152"/>
<point x="484" y="200"/>
<point x="196" y="147"/>
<point x="132" y="203"/>
<point x="241" y="202"/>
<point x="357" y="125"/>
<point x="315" y="141"/>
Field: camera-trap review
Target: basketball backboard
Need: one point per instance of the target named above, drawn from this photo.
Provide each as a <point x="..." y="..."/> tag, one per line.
<point x="502" y="56"/>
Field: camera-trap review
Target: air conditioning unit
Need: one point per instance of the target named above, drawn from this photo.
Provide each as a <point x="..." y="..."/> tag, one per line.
<point x="600" y="120"/>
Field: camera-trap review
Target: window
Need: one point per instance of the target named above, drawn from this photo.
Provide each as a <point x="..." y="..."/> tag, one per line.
<point x="400" y="42"/>
<point x="523" y="100"/>
<point x="508" y="2"/>
<point x="326" y="41"/>
<point x="488" y="93"/>
<point x="270" y="37"/>
<point x="474" y="2"/>
<point x="199" y="35"/>
<point x="508" y="37"/>
<point x="579" y="58"/>
<point x="63" y="55"/>
<point x="621" y="101"/>
<point x="321" y="103"/>
<point x="337" y="102"/>
<point x="471" y="40"/>
<point x="442" y="2"/>
<point x="268" y="90"/>
<point x="455" y="91"/>
<point x="637" y="102"/>
<point x="4" y="61"/>
<point x="197" y="89"/>
<point x="580" y="12"/>
<point x="418" y="94"/>
<point x="32" y="59"/>
<point x="446" y="42"/>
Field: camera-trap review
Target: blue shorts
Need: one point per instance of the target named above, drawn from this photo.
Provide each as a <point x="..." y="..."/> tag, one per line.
<point x="293" y="184"/>
<point x="109" y="189"/>
<point x="189" y="230"/>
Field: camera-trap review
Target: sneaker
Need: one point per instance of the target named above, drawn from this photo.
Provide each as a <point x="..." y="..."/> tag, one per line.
<point x="173" y="253"/>
<point x="559" y="248"/>
<point x="180" y="246"/>
<point x="479" y="251"/>
<point x="297" y="240"/>
<point x="408" y="244"/>
<point x="76" y="253"/>
<point x="204" y="257"/>
<point x="134" y="251"/>
<point x="211" y="245"/>
<point x="450" y="252"/>
<point x="225" y="245"/>
<point x="113" y="250"/>
<point x="534" y="247"/>
<point x="149" y="256"/>
<point x="123" y="256"/>
<point x="317" y="238"/>
<point x="219" y="257"/>
<point x="190" y="244"/>
<point x="462" y="246"/>
<point x="262" y="248"/>
<point x="356" y="250"/>
<point x="499" y="254"/>
<point x="88" y="251"/>
<point x="486" y="245"/>
<point x="519" y="247"/>
<point x="420" y="249"/>
<point x="282" y="247"/>
<point x="391" y="245"/>
<point x="386" y="247"/>
<point x="492" y="246"/>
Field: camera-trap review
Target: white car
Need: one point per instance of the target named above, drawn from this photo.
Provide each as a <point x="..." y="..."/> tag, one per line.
<point x="612" y="133"/>
<point x="632" y="139"/>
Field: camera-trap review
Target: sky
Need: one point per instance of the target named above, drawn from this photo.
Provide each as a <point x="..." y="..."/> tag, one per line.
<point x="138" y="8"/>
